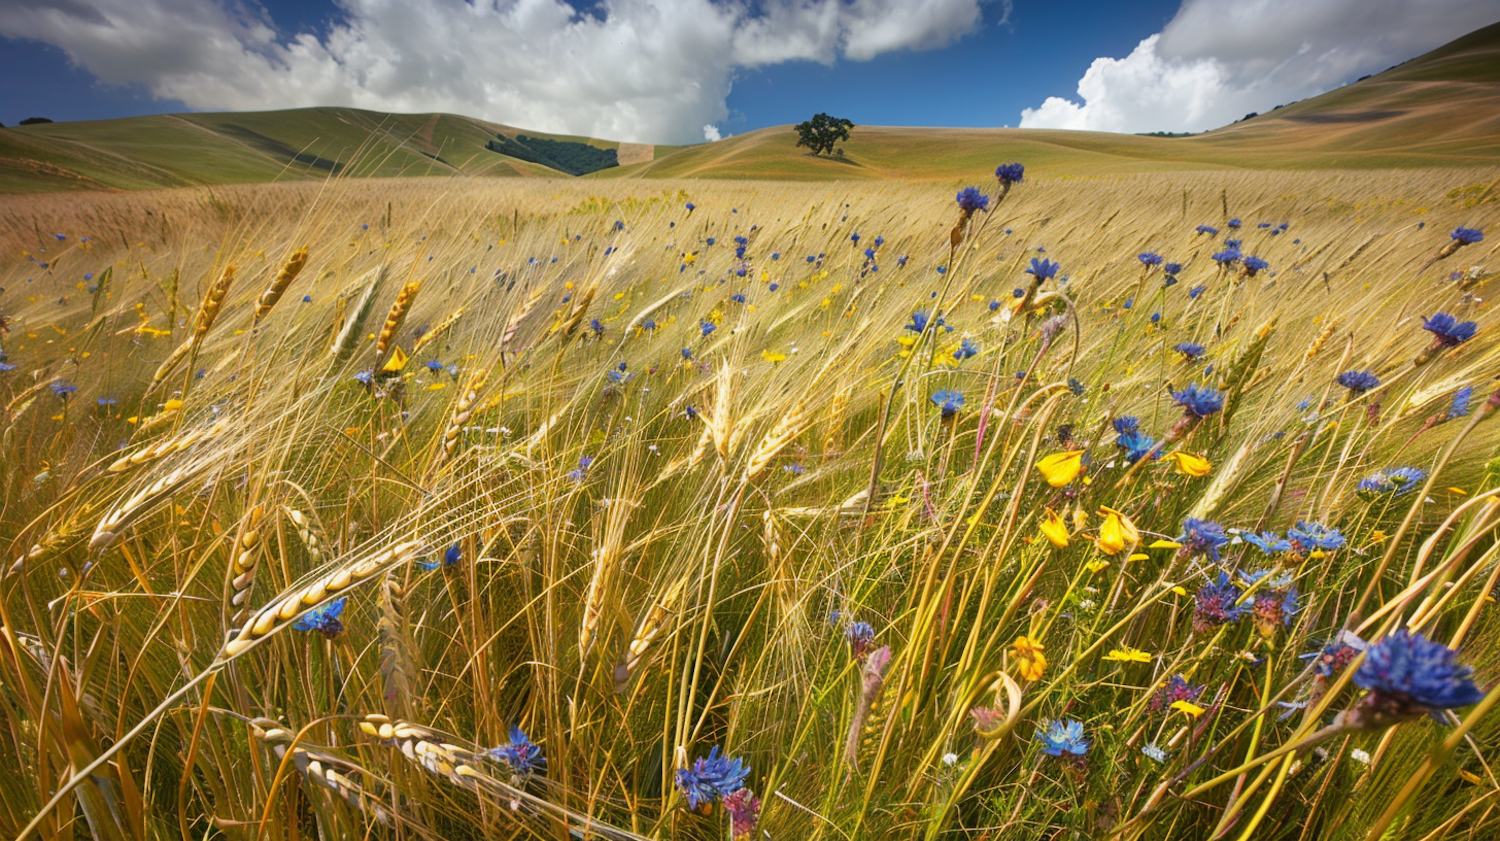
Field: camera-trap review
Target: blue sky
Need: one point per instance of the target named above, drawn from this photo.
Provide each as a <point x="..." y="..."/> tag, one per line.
<point x="686" y="70"/>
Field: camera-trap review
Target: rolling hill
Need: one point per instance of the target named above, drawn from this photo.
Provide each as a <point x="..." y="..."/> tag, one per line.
<point x="1440" y="109"/>
<point x="171" y="150"/>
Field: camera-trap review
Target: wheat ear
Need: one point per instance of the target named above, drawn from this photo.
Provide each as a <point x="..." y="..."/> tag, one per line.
<point x="437" y="330"/>
<point x="396" y="317"/>
<point x="278" y="287"/>
<point x="246" y="551"/>
<point x="647" y="631"/>
<point x="288" y="606"/>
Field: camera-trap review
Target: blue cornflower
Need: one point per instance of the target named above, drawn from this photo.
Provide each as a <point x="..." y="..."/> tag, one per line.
<point x="307" y="299"/>
<point x="108" y="401"/>
<point x="1254" y="264"/>
<point x="61" y="237"/>
<point x="1136" y="445"/>
<point x="1449" y="331"/>
<point x="1199" y="401"/>
<point x="1215" y="604"/>
<point x="364" y="377"/>
<point x="1460" y="406"/>
<point x="710" y="778"/>
<point x="1149" y="258"/>
<point x="1196" y="291"/>
<point x="1227" y="257"/>
<point x="690" y="207"/>
<point x="1208" y="229"/>
<point x="966" y="350"/>
<point x="1408" y="674"/>
<point x="1263" y="225"/>
<point x="1234" y="223"/>
<point x="325" y="619"/>
<point x="901" y="261"/>
<point x="707" y="327"/>
<point x="1043" y="269"/>
<point x="451" y="556"/>
<point x="918" y="322"/>
<point x="1126" y="424"/>
<point x="775" y="255"/>
<point x="1307" y="537"/>
<point x="1358" y="382"/>
<point x="1268" y="542"/>
<point x="618" y="375"/>
<point x="1009" y="174"/>
<point x="1064" y="737"/>
<point x="523" y="756"/>
<point x="1395" y="481"/>
<point x="1189" y="350"/>
<point x="649" y="325"/>
<point x="1467" y="236"/>
<point x="879" y="241"/>
<point x="1172" y="268"/>
<point x="1155" y="317"/>
<point x="582" y="470"/>
<point x="63" y="390"/>
<point x="434" y="366"/>
<point x="948" y="400"/>
<point x="869" y="254"/>
<point x="861" y="638"/>
<point x="738" y="298"/>
<point x="1201" y="537"/>
<point x="854" y="238"/>
<point x="942" y="269"/>
<point x="971" y="200"/>
<point x="687" y="354"/>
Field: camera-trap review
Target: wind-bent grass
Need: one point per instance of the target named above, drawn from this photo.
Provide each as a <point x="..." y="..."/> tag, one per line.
<point x="609" y="483"/>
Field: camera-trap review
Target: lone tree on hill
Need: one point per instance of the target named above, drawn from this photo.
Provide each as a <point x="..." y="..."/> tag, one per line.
<point x="821" y="132"/>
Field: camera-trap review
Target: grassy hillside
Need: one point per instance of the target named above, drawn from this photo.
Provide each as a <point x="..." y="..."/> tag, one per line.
<point x="173" y="150"/>
<point x="1442" y="109"/>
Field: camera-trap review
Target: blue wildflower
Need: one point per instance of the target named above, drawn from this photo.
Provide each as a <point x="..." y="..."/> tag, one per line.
<point x="1172" y="268"/>
<point x="1460" y="405"/>
<point x="918" y="322"/>
<point x="1189" y="350"/>
<point x="1358" y="382"/>
<point x="579" y="473"/>
<point x="1467" y="236"/>
<point x="1149" y="258"/>
<point x="707" y="327"/>
<point x="1064" y="737"/>
<point x="1199" y="401"/>
<point x="434" y="366"/>
<point x="1449" y="331"/>
<point x="710" y="778"/>
<point x="738" y="298"/>
<point x="1395" y="481"/>
<point x="1009" y="174"/>
<point x="1234" y="223"/>
<point x="1154" y="753"/>
<point x="325" y="619"/>
<point x="1196" y="291"/>
<point x="1043" y="269"/>
<point x="854" y="238"/>
<point x="971" y="200"/>
<point x="1408" y="675"/>
<point x="1307" y="537"/>
<point x="1201" y="537"/>
<point x="1254" y="264"/>
<point x="1227" y="257"/>
<point x="861" y="638"/>
<point x="1268" y="542"/>
<point x="1216" y="605"/>
<point x="1208" y="229"/>
<point x="523" y="756"/>
<point x="948" y="400"/>
<point x="966" y="350"/>
<point x="687" y="354"/>
<point x="63" y="390"/>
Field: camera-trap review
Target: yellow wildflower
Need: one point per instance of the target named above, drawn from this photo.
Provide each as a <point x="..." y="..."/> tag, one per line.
<point x="1055" y="530"/>
<point x="1028" y="654"/>
<point x="1116" y="533"/>
<point x="1061" y="468"/>
<point x="1188" y="707"/>
<point x="1191" y="465"/>
<point x="1128" y="655"/>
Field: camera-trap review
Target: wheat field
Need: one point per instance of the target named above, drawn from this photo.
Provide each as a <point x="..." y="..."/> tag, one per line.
<point x="460" y="509"/>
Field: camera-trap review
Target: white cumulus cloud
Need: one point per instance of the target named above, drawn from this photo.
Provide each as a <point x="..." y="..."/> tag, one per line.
<point x="1218" y="60"/>
<point x="711" y="133"/>
<point x="641" y="70"/>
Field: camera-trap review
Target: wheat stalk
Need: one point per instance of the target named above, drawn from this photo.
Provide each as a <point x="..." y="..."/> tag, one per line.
<point x="278" y="287"/>
<point x="437" y="330"/>
<point x="786" y="430"/>
<point x="395" y="318"/>
<point x="245" y="558"/>
<point x="168" y="447"/>
<point x="647" y="631"/>
<point x="113" y="525"/>
<point x="288" y="606"/>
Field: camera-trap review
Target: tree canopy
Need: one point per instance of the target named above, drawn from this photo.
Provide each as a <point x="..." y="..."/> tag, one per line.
<point x="821" y="133"/>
